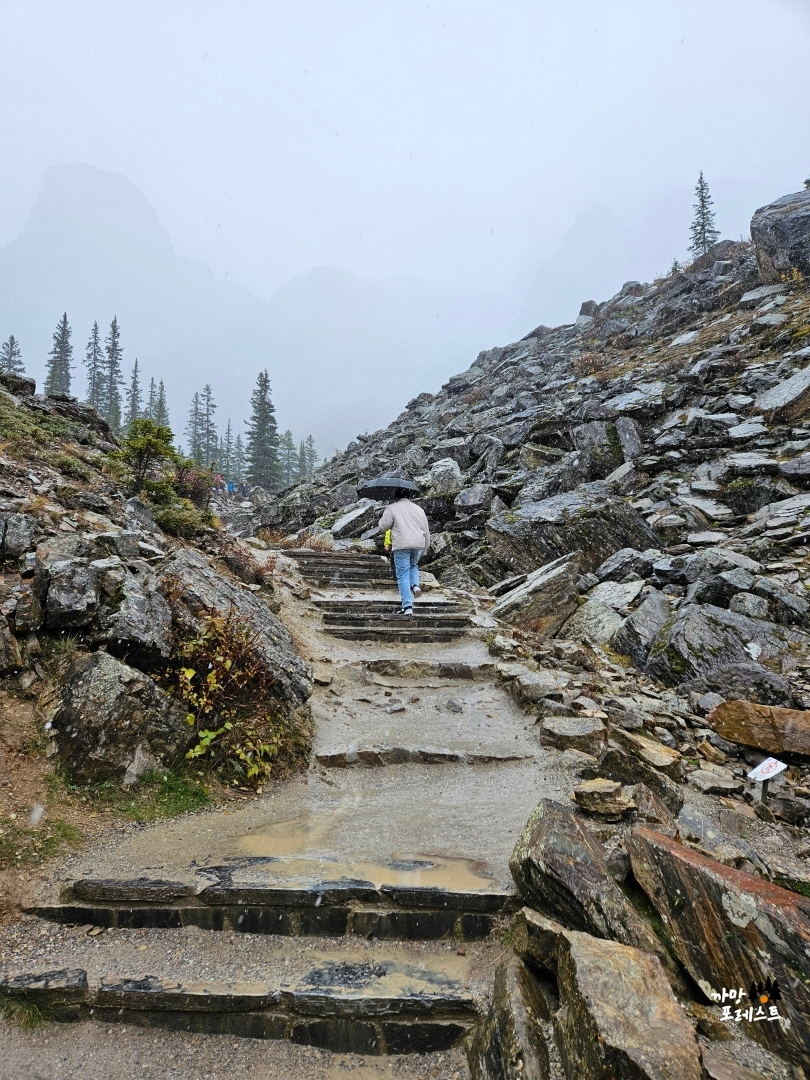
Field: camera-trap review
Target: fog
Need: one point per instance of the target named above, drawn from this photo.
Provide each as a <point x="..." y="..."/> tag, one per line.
<point x="361" y="195"/>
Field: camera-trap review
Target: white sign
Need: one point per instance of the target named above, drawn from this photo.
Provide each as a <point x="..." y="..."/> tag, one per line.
<point x="767" y="769"/>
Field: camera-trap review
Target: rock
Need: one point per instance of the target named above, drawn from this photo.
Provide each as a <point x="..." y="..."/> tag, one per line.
<point x="714" y="783"/>
<point x="476" y="497"/>
<point x="134" y="619"/>
<point x="19" y="385"/>
<point x="534" y="534"/>
<point x="746" y="603"/>
<point x="704" y="638"/>
<point x="355" y="521"/>
<point x="445" y="477"/>
<point x="509" y="1043"/>
<point x="16" y="536"/>
<point x="529" y="687"/>
<point x="603" y="798"/>
<point x="646" y="399"/>
<point x="652" y="809"/>
<point x="789" y="399"/>
<point x="788" y="609"/>
<point x="636" y="637"/>
<point x="594" y="621"/>
<point x="685" y="339"/>
<point x="29" y="614"/>
<point x="780" y="233"/>
<point x="650" y="751"/>
<point x="560" y="867"/>
<point x="108" y="710"/>
<point x="731" y="929"/>
<point x="764" y="727"/>
<point x="617" y="1016"/>
<point x="707" y="702"/>
<point x="626" y="561"/>
<point x="743" y="682"/>
<point x="629" y="438"/>
<point x="601" y="440"/>
<point x="194" y="589"/>
<point x="720" y="1067"/>
<point x="142" y="515"/>
<point x="618" y="595"/>
<point x="73" y="595"/>
<point x="545" y="599"/>
<point x="754" y="297"/>
<point x="617" y="764"/>
<point x="123" y="543"/>
<point x="574" y="733"/>
<point x="10" y="657"/>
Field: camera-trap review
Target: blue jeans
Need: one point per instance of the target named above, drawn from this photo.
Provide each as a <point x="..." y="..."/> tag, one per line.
<point x="406" y="565"/>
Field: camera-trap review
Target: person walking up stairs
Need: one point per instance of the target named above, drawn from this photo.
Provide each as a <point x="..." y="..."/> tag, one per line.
<point x="409" y="540"/>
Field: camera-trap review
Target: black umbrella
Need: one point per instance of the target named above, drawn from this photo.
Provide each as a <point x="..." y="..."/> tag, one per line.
<point x="384" y="487"/>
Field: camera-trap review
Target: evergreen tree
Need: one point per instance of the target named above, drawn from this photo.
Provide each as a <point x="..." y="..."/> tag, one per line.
<point x="194" y="431"/>
<point x="807" y="183"/>
<point x="134" y="398"/>
<point x="11" y="357"/>
<point x="94" y="362"/>
<point x="238" y="459"/>
<point x="288" y="458"/>
<point x="161" y="416"/>
<point x="208" y="430"/>
<point x="702" y="230"/>
<point x="226" y="452"/>
<point x="151" y="401"/>
<point x="301" y="471"/>
<point x="261" y="453"/>
<point x="112" y="378"/>
<point x="310" y="454"/>
<point x="59" y="366"/>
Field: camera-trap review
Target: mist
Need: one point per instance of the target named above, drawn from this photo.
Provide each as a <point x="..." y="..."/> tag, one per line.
<point x="360" y="197"/>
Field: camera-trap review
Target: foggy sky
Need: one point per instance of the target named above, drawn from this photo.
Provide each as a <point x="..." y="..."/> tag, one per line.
<point x="454" y="141"/>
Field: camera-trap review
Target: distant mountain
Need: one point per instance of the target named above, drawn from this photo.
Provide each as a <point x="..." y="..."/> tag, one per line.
<point x="343" y="352"/>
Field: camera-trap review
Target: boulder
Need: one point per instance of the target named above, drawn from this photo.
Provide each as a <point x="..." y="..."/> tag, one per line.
<point x="10" y="656"/>
<point x="355" y="521"/>
<point x="534" y="534"/>
<point x="644" y="400"/>
<point x="73" y="595"/>
<point x="544" y="599"/>
<point x="629" y="438"/>
<point x="603" y="798"/>
<point x="715" y="783"/>
<point x="743" y="682"/>
<point x="16" y="535"/>
<point x="560" y="867"/>
<point x="532" y="686"/>
<point x="787" y="608"/>
<point x="445" y="477"/>
<point x="618" y="1016"/>
<point x="650" y="751"/>
<point x="731" y="929"/>
<point x="29" y="614"/>
<point x="134" y="619"/>
<point x="627" y="561"/>
<point x="194" y="589"/>
<point x="583" y="733"/>
<point x="652" y="809"/>
<point x="638" y="633"/>
<point x="780" y="233"/>
<point x="594" y="621"/>
<point x="108" y="713"/>
<point x="602" y="441"/>
<point x="475" y="497"/>
<point x="509" y="1043"/>
<point x="763" y="727"/>
<point x="789" y="399"/>
<point x="617" y="764"/>
<point x="703" y="638"/>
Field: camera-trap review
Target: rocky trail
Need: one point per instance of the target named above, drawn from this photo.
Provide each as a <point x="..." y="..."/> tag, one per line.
<point x="525" y="842"/>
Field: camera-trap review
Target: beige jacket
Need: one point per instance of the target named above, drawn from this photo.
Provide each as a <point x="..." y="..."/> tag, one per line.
<point x="408" y="524"/>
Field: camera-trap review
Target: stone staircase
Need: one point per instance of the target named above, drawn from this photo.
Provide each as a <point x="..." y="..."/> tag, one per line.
<point x="370" y="617"/>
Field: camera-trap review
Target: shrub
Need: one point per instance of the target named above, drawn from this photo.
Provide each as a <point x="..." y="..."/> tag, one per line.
<point x="588" y="363"/>
<point x="241" y="728"/>
<point x="146" y="450"/>
<point x="183" y="519"/>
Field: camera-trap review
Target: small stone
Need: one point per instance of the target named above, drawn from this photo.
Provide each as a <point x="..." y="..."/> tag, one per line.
<point x="711" y="783"/>
<point x="603" y="798"/>
<point x="587" y="734"/>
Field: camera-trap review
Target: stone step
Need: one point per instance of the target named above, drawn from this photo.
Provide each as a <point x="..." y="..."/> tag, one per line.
<point x="369" y="1000"/>
<point x="389" y="607"/>
<point x="395" y="633"/>
<point x="390" y="912"/>
<point x="420" y="619"/>
<point x="339" y="558"/>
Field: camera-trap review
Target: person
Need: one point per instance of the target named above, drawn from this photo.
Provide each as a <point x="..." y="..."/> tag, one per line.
<point x="409" y="540"/>
<point x="231" y="486"/>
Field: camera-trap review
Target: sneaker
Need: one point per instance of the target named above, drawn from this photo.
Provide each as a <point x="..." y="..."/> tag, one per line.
<point x="416" y="590"/>
<point x="407" y="611"/>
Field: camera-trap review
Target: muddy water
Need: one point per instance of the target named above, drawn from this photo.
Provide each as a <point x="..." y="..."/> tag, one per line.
<point x="293" y="846"/>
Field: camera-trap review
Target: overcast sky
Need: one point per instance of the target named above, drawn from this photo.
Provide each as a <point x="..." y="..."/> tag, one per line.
<point x="456" y="139"/>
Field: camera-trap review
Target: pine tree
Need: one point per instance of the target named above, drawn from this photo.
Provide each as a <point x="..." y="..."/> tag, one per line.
<point x="263" y="465"/>
<point x="226" y="452"/>
<point x="151" y="401"/>
<point x="288" y="458"/>
<point x="238" y="459"/>
<point x="310" y="454"/>
<point x="11" y="357"/>
<point x="161" y="416"/>
<point x="301" y="471"/>
<point x="94" y="362"/>
<point x="194" y="431"/>
<point x="112" y="378"/>
<point x="807" y="183"/>
<point x="208" y="429"/>
<point x="59" y="366"/>
<point x="134" y="398"/>
<point x="702" y="230"/>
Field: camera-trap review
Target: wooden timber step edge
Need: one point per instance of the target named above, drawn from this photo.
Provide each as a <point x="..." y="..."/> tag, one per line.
<point x="328" y="1017"/>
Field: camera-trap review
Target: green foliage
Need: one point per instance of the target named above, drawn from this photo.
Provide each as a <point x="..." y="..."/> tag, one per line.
<point x="160" y="794"/>
<point x="145" y="450"/>
<point x="11" y="357"/>
<point x="241" y="729"/>
<point x="59" y="364"/>
<point x="702" y="230"/>
<point x="24" y="430"/>
<point x="24" y="1014"/>
<point x="192" y="483"/>
<point x="183" y="519"/>
<point x="94" y="363"/>
<point x="71" y="466"/>
<point x="263" y="465"/>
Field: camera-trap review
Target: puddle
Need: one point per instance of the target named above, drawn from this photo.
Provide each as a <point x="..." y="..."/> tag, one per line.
<point x="293" y="845"/>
